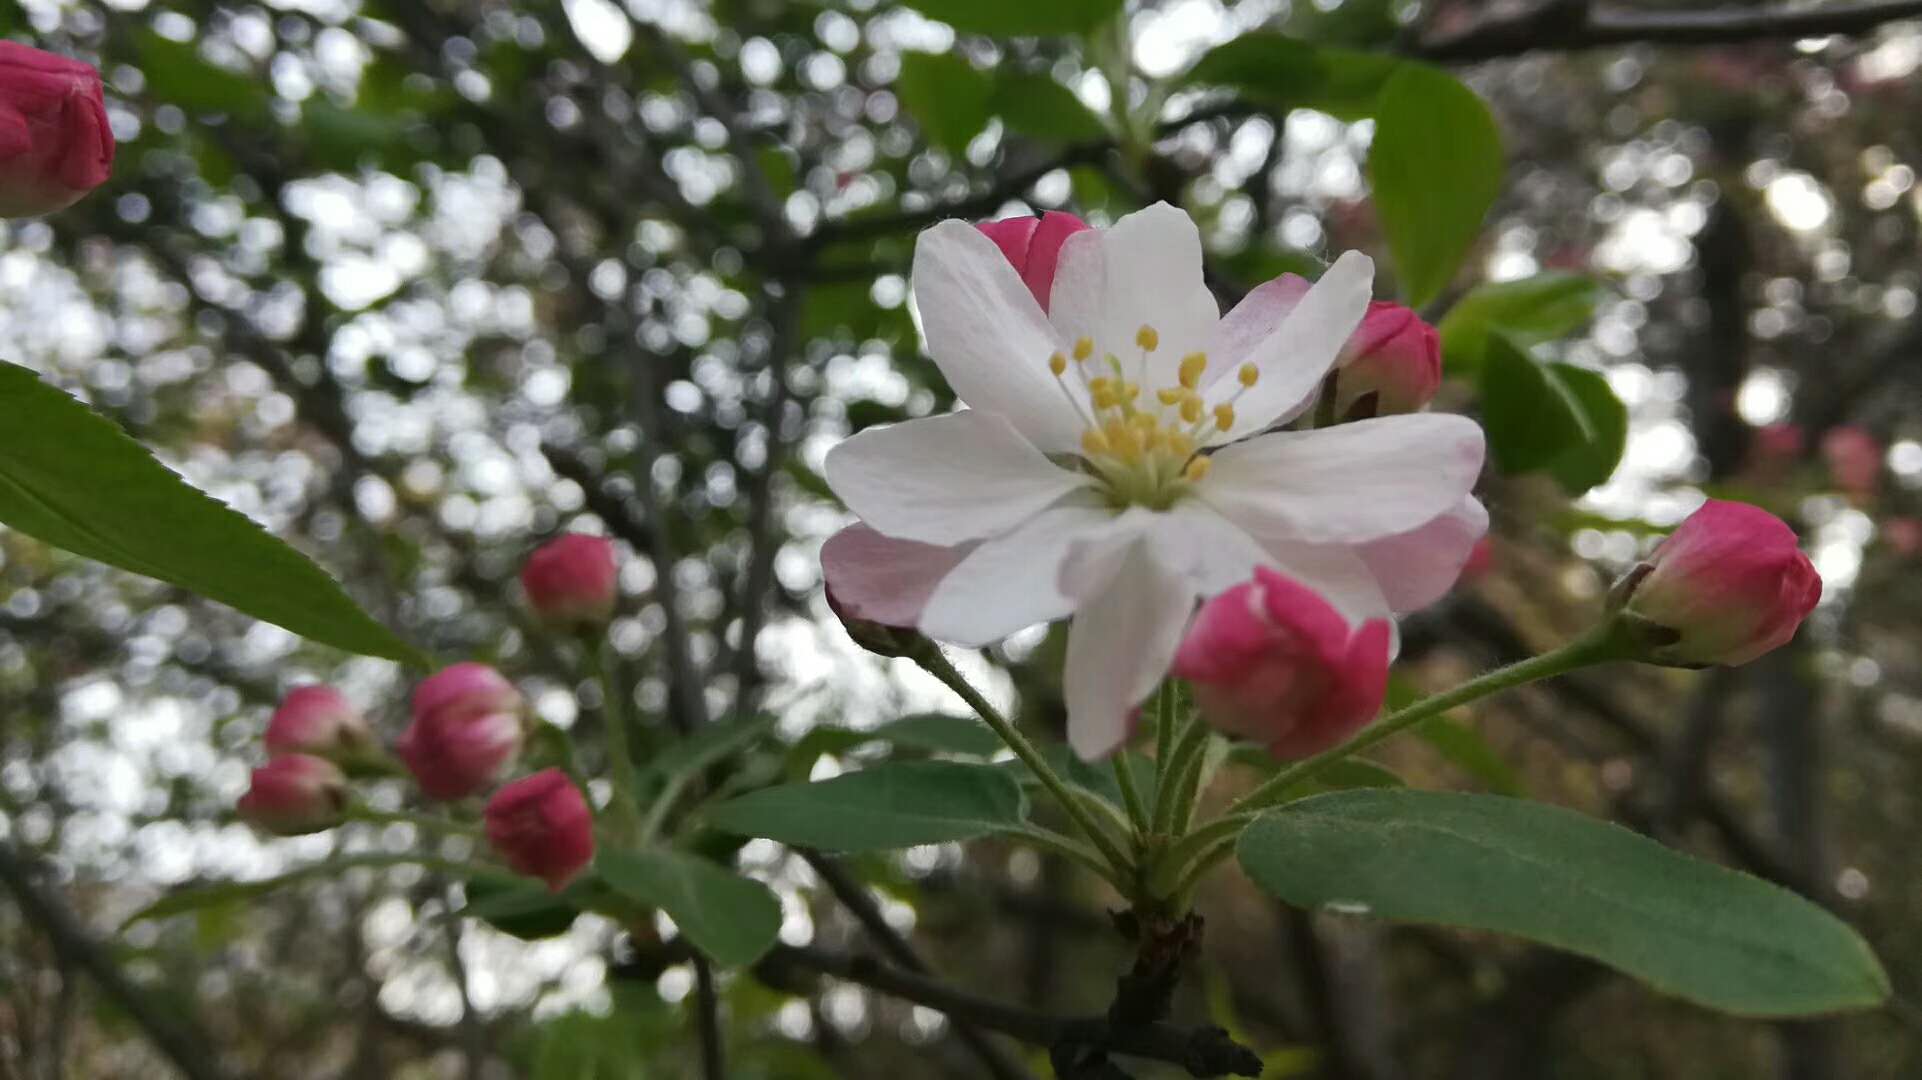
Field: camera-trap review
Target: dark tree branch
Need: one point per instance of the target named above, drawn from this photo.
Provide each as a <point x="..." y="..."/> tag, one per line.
<point x="764" y="541"/>
<point x="168" y="1030"/>
<point x="707" y="1008"/>
<point x="854" y="896"/>
<point x="1568" y="25"/>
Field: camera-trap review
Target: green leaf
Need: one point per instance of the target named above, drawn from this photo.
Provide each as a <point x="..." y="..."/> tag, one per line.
<point x="895" y="805"/>
<point x="72" y="478"/>
<point x="946" y="96"/>
<point x="1486" y="862"/>
<point x="703" y="748"/>
<point x="1436" y="165"/>
<point x="1464" y="748"/>
<point x="1019" y="17"/>
<point x="520" y="908"/>
<point x="1286" y="73"/>
<point x="177" y="73"/>
<point x="1530" y="311"/>
<point x="1582" y="467"/>
<point x="728" y="917"/>
<point x="1338" y="776"/>
<point x="940" y="734"/>
<point x="1034" y="104"/>
<point x="1531" y="417"/>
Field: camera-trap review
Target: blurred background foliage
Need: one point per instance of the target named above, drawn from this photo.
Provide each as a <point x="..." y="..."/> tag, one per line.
<point x="417" y="283"/>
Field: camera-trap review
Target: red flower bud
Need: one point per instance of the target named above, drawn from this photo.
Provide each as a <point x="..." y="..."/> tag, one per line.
<point x="1854" y="458"/>
<point x="541" y="826"/>
<point x="1394" y="356"/>
<point x="317" y="720"/>
<point x="294" y="794"/>
<point x="1033" y="246"/>
<point x="1730" y="584"/>
<point x="466" y="729"/>
<point x="571" y="581"/>
<point x="1272" y="661"/>
<point x="55" y="142"/>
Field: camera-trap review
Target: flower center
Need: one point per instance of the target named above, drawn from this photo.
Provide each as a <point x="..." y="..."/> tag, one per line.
<point x="1145" y="448"/>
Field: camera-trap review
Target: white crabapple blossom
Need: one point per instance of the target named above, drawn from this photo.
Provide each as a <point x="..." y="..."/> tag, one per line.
<point x="1118" y="460"/>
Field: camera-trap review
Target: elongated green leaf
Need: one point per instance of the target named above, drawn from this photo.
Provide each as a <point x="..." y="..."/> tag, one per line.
<point x="1437" y="166"/>
<point x="704" y="748"/>
<point x="1690" y="928"/>
<point x="1036" y="105"/>
<point x="1582" y="467"/>
<point x="1465" y="749"/>
<point x="1530" y="311"/>
<point x="894" y="805"/>
<point x="947" y="96"/>
<point x="1531" y="417"/>
<point x="70" y="477"/>
<point x="1338" y="776"/>
<point x="1019" y="17"/>
<point x="519" y="907"/>
<point x="1287" y="73"/>
<point x="213" y="894"/>
<point x="728" y="917"/>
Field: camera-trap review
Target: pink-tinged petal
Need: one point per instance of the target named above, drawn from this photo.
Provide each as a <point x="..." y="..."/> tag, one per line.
<point x="946" y="479"/>
<point x="1395" y="357"/>
<point x="1295" y="357"/>
<point x="1012" y="236"/>
<point x="1044" y="252"/>
<point x="1252" y="322"/>
<point x="1418" y="567"/>
<point x="882" y="580"/>
<point x="1125" y="632"/>
<point x="1012" y="581"/>
<point x="988" y="335"/>
<point x="1349" y="483"/>
<point x="541" y="826"/>
<point x="1359" y="689"/>
<point x="294" y="794"/>
<point x="1212" y="553"/>
<point x="573" y="581"/>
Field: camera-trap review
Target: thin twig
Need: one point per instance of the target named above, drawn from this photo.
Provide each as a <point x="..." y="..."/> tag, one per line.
<point x="707" y="1005"/>
<point x="1566" y="25"/>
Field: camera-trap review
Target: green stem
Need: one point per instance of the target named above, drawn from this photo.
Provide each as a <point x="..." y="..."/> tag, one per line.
<point x="1069" y="848"/>
<point x="605" y="665"/>
<point x="1175" y="799"/>
<point x="430" y="822"/>
<point x="656" y="817"/>
<point x="935" y="663"/>
<point x="1124" y="778"/>
<point x="1165" y="739"/>
<point x="1603" y="643"/>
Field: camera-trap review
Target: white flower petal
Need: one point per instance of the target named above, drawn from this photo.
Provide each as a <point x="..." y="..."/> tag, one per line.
<point x="1146" y="270"/>
<point x="1124" y="635"/>
<point x="1012" y="581"/>
<point x="1214" y="554"/>
<point x="1342" y="578"/>
<point x="946" y="479"/>
<point x="1349" y="483"/>
<point x="987" y="334"/>
<point x="1418" y="567"/>
<point x="1296" y="356"/>
<point x="882" y="579"/>
<point x="1252" y="322"/>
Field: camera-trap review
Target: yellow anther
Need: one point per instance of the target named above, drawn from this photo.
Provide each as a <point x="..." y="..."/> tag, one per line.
<point x="1122" y="440"/>
<point x="1058" y="364"/>
<point x="1224" y="416"/>
<point x="1197" y="469"/>
<point x="1173" y="395"/>
<point x="1249" y="375"/>
<point x="1130" y="391"/>
<point x="1099" y="383"/>
<point x="1104" y="397"/>
<point x="1147" y="338"/>
<point x="1191" y="410"/>
<point x="1180" y="444"/>
<point x="1093" y="443"/>
<point x="1192" y="365"/>
<point x="1147" y="423"/>
<point x="1083" y="348"/>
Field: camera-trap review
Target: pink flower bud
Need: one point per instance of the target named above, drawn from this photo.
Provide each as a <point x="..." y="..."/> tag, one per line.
<point x="1394" y="356"/>
<point x="1854" y="458"/>
<point x="317" y="720"/>
<point x="1033" y="245"/>
<point x="1271" y="661"/>
<point x="1903" y="535"/>
<point x="294" y="794"/>
<point x="541" y="826"/>
<point x="1730" y="584"/>
<point x="1774" y="449"/>
<point x="55" y="142"/>
<point x="466" y="729"/>
<point x="1481" y="559"/>
<point x="571" y="581"/>
<point x="877" y="586"/>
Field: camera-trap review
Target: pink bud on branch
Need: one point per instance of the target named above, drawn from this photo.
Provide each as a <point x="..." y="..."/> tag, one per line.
<point x="1270" y="660"/>
<point x="1727" y="586"/>
<point x="55" y="142"/>
<point x="317" y="720"/>
<point x="295" y="794"/>
<point x="573" y="581"/>
<point x="541" y="826"/>
<point x="1854" y="458"/>
<point x="466" y="729"/>
<point x="1392" y="364"/>
<point x="1033" y="246"/>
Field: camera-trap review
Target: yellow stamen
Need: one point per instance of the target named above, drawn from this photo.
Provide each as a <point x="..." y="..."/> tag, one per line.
<point x="1083" y="348"/>
<point x="1197" y="469"/>
<point x="1191" y="410"/>
<point x="1058" y="364"/>
<point x="1192" y="366"/>
<point x="1172" y="395"/>
<point x="1180" y="444"/>
<point x="1249" y="375"/>
<point x="1147" y="338"/>
<point x="1224" y="416"/>
<point x="1130" y="391"/>
<point x="1104" y="397"/>
<point x="1093" y="443"/>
